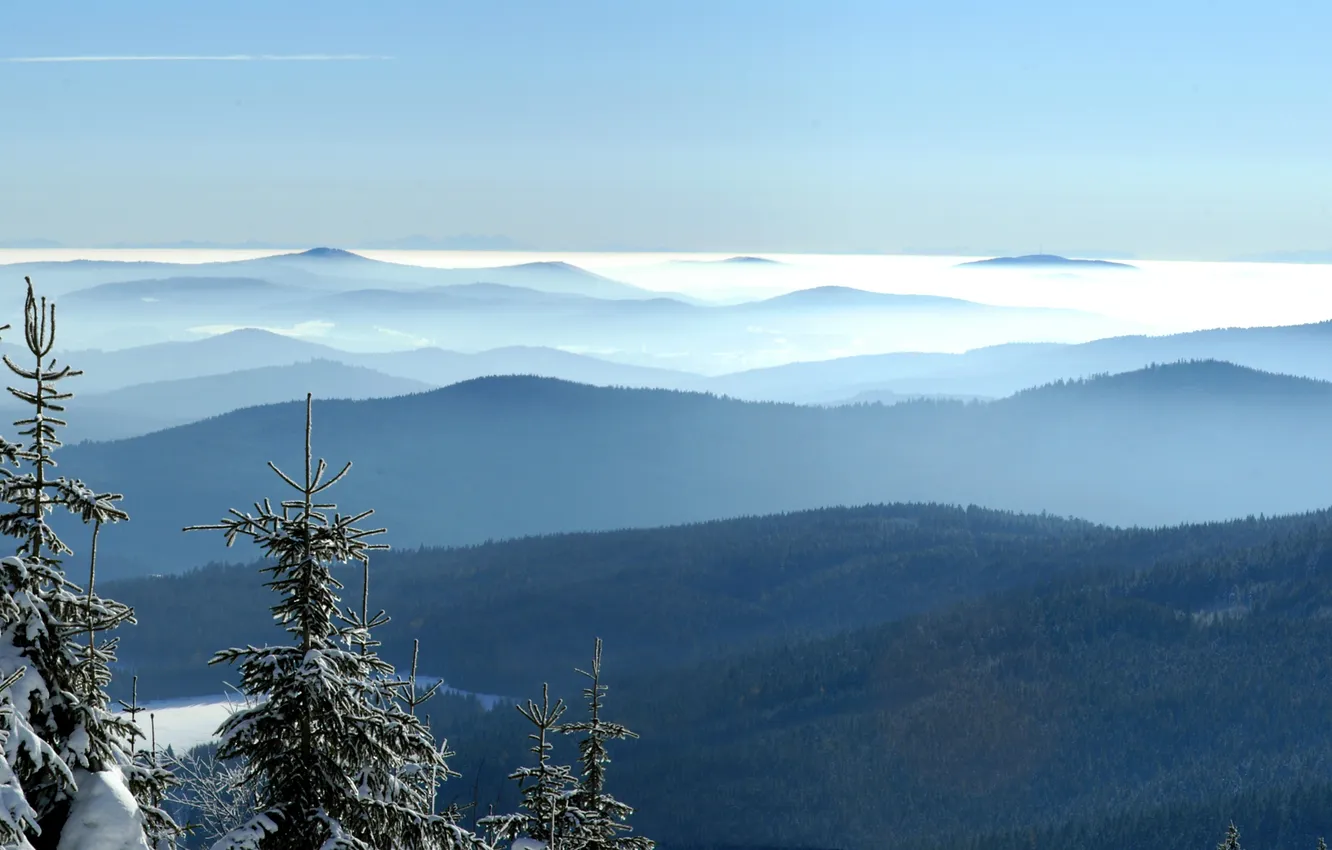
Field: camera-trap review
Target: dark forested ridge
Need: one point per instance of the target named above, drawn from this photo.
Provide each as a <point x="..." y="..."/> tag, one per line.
<point x="665" y="596"/>
<point x="950" y="677"/>
<point x="1139" y="709"/>
<point x="505" y="457"/>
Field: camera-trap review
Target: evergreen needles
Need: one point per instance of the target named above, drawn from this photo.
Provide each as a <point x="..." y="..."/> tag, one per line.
<point x="58" y="727"/>
<point x="330" y="741"/>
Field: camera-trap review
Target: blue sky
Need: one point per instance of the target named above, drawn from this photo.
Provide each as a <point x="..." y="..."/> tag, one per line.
<point x="1175" y="128"/>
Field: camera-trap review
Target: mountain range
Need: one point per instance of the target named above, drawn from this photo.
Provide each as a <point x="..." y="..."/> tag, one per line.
<point x="358" y="303"/>
<point x="513" y="456"/>
<point x="979" y="374"/>
<point x="322" y="270"/>
<point x="1001" y="370"/>
<point x="144" y="408"/>
<point x="252" y="349"/>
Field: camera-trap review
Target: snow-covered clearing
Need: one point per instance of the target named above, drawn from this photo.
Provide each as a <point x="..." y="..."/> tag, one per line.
<point x="189" y="721"/>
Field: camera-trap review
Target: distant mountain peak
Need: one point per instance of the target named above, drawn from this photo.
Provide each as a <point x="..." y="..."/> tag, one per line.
<point x="552" y="265"/>
<point x="1044" y="261"/>
<point x="329" y="254"/>
<point x="751" y="260"/>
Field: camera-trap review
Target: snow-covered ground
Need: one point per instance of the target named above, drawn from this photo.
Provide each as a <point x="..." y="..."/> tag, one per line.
<point x="190" y="721"/>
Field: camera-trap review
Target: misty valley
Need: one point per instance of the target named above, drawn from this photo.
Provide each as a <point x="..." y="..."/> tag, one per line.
<point x="955" y="576"/>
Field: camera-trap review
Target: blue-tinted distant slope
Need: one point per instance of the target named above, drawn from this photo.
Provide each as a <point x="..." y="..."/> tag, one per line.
<point x="180" y="290"/>
<point x="252" y="348"/>
<point x="143" y="408"/>
<point x="1301" y="350"/>
<point x="529" y="456"/>
<point x="849" y="298"/>
<point x="1045" y="261"/>
<point x="326" y="269"/>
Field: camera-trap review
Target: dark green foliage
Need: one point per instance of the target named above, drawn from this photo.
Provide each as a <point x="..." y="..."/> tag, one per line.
<point x="1279" y="816"/>
<point x="667" y="596"/>
<point x="604" y="819"/>
<point x="548" y="814"/>
<point x="1098" y="696"/>
<point x="50" y="626"/>
<point x="835" y="676"/>
<point x="335" y="760"/>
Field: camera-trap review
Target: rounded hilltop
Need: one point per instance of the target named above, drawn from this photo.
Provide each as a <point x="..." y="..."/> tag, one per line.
<point x="324" y="253"/>
<point x="1035" y="261"/>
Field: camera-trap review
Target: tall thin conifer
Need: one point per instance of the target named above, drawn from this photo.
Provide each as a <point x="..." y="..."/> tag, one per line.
<point x="603" y="818"/>
<point x="58" y="701"/>
<point x="337" y="762"/>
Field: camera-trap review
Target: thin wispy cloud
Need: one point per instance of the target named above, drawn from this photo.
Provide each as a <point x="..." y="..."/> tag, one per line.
<point x="236" y="57"/>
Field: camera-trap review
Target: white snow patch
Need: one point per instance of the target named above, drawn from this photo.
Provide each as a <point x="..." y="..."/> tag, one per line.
<point x="488" y="701"/>
<point x="185" y="723"/>
<point x="103" y="815"/>
<point x="190" y="721"/>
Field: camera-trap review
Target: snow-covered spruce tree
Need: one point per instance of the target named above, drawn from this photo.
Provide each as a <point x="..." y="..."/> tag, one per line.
<point x="335" y="760"/>
<point x="66" y="749"/>
<point x="603" y="825"/>
<point x="17" y="818"/>
<point x="549" y="816"/>
<point x="1232" y="839"/>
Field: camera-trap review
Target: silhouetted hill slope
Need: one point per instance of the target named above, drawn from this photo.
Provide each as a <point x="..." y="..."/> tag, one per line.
<point x="251" y="348"/>
<point x="1301" y="350"/>
<point x="323" y="269"/>
<point x="487" y="298"/>
<point x="1203" y="381"/>
<point x="1091" y="699"/>
<point x="1285" y="814"/>
<point x="999" y="672"/>
<point x="504" y="457"/>
<point x="845" y="297"/>
<point x="440" y="367"/>
<point x="663" y="596"/>
<point x="142" y="408"/>
<point x="178" y="289"/>
<point x="1041" y="261"/>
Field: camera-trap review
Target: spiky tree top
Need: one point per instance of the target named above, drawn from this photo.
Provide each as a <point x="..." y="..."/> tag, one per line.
<point x="548" y="814"/>
<point x="336" y="760"/>
<point x="59" y="699"/>
<point x="604" y="817"/>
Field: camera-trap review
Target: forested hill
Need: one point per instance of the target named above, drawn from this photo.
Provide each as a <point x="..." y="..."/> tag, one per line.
<point x="1139" y="709"/>
<point x="505" y="457"/>
<point x="664" y="596"/>
<point x="951" y="677"/>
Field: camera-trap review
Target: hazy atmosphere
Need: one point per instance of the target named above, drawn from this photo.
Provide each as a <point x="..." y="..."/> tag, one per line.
<point x="732" y="426"/>
<point x="1190" y="130"/>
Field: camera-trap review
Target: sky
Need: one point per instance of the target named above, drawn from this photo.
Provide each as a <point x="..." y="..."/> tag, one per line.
<point x="1188" y="129"/>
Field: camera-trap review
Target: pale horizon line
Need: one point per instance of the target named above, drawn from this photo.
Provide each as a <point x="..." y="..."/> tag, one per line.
<point x="235" y="57"/>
